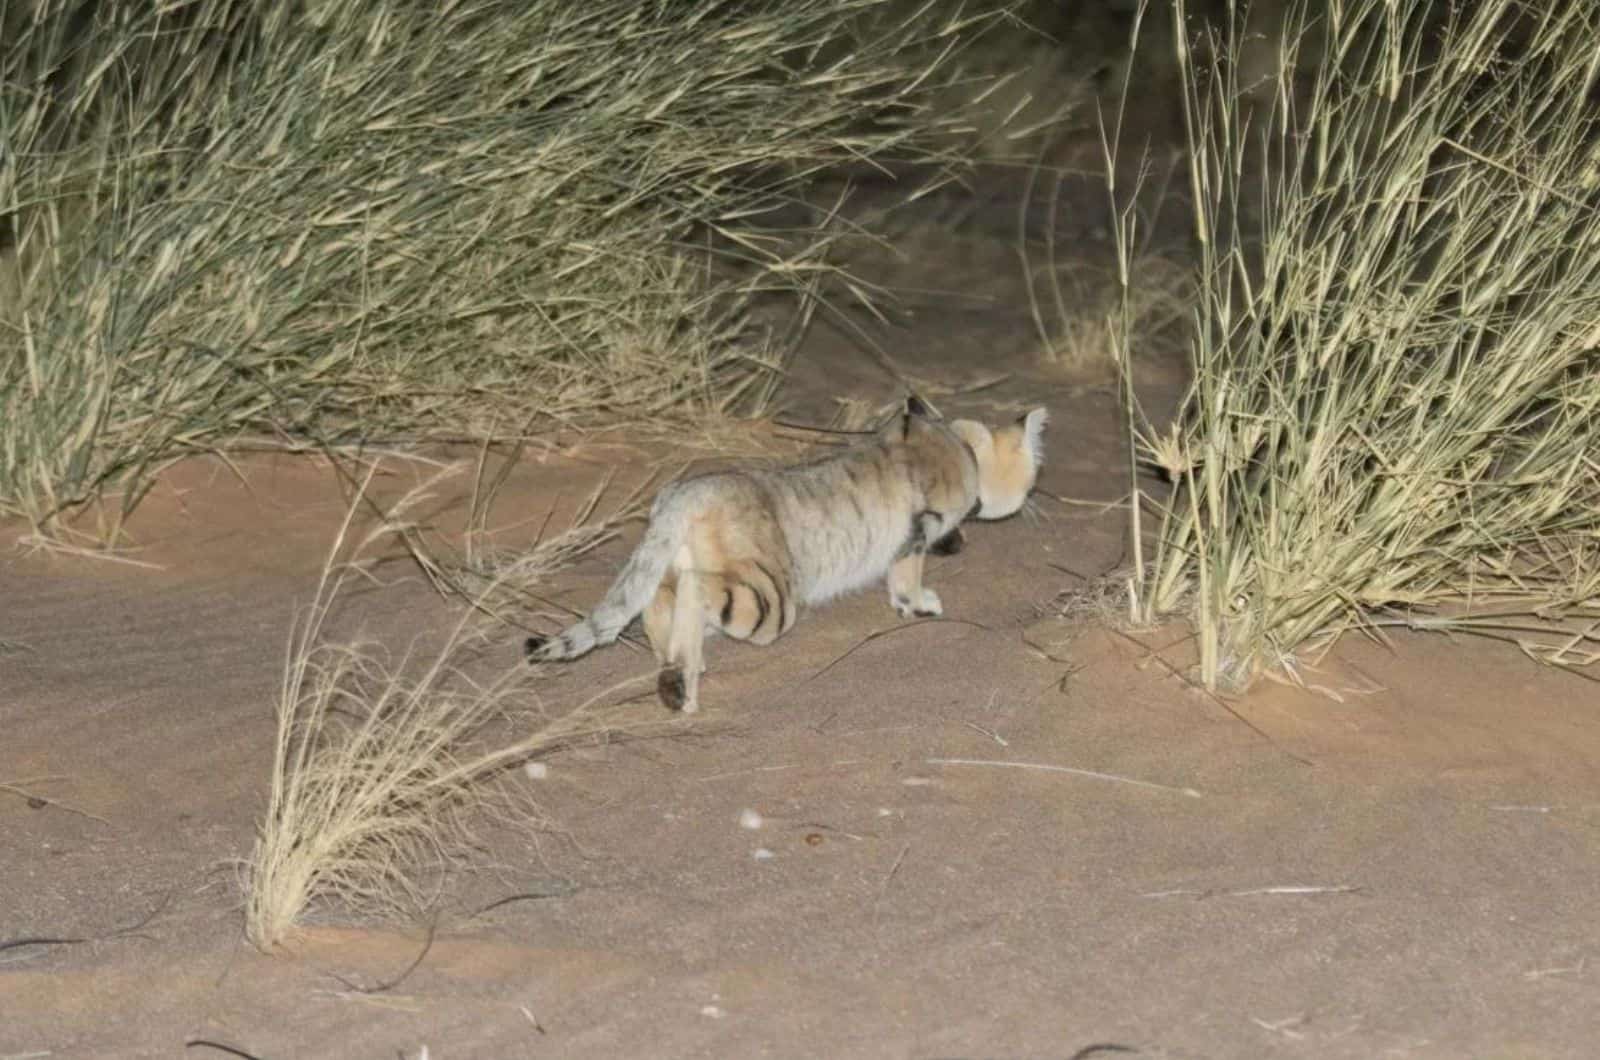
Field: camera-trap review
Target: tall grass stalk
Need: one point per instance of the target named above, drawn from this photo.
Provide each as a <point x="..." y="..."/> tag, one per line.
<point x="345" y="219"/>
<point x="1395" y="415"/>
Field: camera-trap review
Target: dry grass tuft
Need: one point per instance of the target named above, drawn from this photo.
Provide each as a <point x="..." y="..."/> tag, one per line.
<point x="345" y="221"/>
<point x="1396" y="408"/>
<point x="380" y="764"/>
<point x="496" y="580"/>
<point x="1090" y="317"/>
<point x="1094" y="318"/>
<point x="1016" y="91"/>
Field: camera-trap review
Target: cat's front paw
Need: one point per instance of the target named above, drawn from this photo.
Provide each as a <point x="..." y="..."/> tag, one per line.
<point x="925" y="606"/>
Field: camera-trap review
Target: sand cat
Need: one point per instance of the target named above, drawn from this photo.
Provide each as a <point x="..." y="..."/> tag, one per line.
<point x="740" y="551"/>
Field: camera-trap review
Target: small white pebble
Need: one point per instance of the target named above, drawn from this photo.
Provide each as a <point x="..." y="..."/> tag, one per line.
<point x="884" y="811"/>
<point x="711" y="1010"/>
<point x="763" y="854"/>
<point x="536" y="770"/>
<point x="749" y="819"/>
<point x="916" y="782"/>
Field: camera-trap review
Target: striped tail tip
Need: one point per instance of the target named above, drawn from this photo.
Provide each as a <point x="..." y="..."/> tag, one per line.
<point x="533" y="649"/>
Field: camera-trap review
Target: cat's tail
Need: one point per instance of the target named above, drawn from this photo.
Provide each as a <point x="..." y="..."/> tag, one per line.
<point x="628" y="595"/>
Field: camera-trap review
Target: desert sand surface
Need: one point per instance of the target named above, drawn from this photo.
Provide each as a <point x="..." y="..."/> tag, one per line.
<point x="998" y="834"/>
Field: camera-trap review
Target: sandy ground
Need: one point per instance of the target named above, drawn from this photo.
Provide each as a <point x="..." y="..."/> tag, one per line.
<point x="1001" y="835"/>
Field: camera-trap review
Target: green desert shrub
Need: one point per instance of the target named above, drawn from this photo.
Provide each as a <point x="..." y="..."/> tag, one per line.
<point x="1395" y="413"/>
<point x="340" y="220"/>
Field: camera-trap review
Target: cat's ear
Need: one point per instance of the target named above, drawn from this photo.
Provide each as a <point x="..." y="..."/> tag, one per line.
<point x="916" y="409"/>
<point x="1033" y="424"/>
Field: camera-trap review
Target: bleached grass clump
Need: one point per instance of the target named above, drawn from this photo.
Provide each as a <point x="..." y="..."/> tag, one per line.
<point x="355" y="220"/>
<point x="492" y="573"/>
<point x="1395" y="417"/>
<point x="496" y="580"/>
<point x="1085" y="317"/>
<point x="1093" y="321"/>
<point x="380" y="764"/>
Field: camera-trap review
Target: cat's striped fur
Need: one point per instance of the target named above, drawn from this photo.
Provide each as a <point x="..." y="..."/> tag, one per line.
<point x="740" y="551"/>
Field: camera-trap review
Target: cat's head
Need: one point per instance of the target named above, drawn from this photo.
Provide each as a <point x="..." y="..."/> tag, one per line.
<point x="1008" y="460"/>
